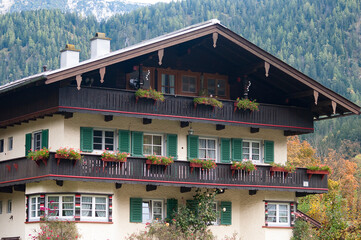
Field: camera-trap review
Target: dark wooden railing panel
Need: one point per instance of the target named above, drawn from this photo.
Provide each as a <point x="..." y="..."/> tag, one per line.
<point x="123" y="102"/>
<point x="179" y="173"/>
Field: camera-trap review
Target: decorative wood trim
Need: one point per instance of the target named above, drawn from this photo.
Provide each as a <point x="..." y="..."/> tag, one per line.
<point x="266" y="67"/>
<point x="334" y="104"/>
<point x="160" y="56"/>
<point x="102" y="73"/>
<point x="215" y="37"/>
<point x="315" y="96"/>
<point x="78" y="79"/>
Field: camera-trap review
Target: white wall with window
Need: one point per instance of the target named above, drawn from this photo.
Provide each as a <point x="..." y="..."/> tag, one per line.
<point x="61" y="206"/>
<point x="278" y="214"/>
<point x="94" y="208"/>
<point x="207" y="148"/>
<point x="251" y="150"/>
<point x="104" y="140"/>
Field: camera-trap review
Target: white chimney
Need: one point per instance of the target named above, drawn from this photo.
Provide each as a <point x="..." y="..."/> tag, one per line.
<point x="69" y="56"/>
<point x="100" y="45"/>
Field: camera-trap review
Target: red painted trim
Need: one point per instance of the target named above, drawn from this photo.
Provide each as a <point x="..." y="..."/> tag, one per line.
<point x="277" y="227"/>
<point x="185" y="117"/>
<point x="161" y="181"/>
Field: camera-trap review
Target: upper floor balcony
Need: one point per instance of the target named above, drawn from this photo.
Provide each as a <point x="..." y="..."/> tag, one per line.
<point x="179" y="174"/>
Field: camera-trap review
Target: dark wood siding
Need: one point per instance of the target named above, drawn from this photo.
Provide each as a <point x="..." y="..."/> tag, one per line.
<point x="135" y="170"/>
<point x="121" y="102"/>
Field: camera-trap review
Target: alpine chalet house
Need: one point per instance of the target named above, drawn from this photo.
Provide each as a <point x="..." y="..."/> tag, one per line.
<point x="92" y="106"/>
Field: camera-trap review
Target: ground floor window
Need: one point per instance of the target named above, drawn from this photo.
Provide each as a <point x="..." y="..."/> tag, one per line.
<point x="61" y="206"/>
<point x="152" y="210"/>
<point x="34" y="208"/>
<point x="94" y="207"/>
<point x="278" y="214"/>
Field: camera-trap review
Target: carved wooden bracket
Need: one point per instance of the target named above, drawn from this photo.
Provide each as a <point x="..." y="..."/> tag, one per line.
<point x="160" y="56"/>
<point x="215" y="38"/>
<point x="78" y="81"/>
<point x="102" y="73"/>
<point x="315" y="95"/>
<point x="266" y="67"/>
<point x="334" y="107"/>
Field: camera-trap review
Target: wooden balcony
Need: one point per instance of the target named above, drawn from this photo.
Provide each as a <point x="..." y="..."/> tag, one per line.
<point x="179" y="174"/>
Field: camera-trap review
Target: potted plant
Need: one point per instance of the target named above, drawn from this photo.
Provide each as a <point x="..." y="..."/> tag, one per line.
<point x="318" y="169"/>
<point x="39" y="155"/>
<point x="208" y="101"/>
<point x="150" y="94"/>
<point x="286" y="168"/>
<point x="204" y="164"/>
<point x="67" y="153"/>
<point x="246" y="104"/>
<point x="118" y="157"/>
<point x="246" y="165"/>
<point x="158" y="160"/>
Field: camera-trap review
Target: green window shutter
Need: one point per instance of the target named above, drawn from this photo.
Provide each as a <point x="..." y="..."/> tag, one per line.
<point x="45" y="138"/>
<point x="86" y="139"/>
<point x="124" y="141"/>
<point x="237" y="149"/>
<point x="172" y="145"/>
<point x="137" y="144"/>
<point x="225" y="150"/>
<point x="192" y="147"/>
<point x="135" y="210"/>
<point x="268" y="151"/>
<point x="172" y="208"/>
<point x="226" y="216"/>
<point x="28" y="138"/>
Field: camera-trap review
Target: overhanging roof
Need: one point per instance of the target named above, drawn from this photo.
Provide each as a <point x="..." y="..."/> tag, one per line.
<point x="179" y="37"/>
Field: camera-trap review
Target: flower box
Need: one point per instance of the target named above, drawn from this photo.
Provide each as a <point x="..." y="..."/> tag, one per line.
<point x="41" y="159"/>
<point x="317" y="172"/>
<point x="150" y="163"/>
<point x="58" y="157"/>
<point x="278" y="169"/>
<point x="158" y="160"/>
<point x="194" y="165"/>
<point x="113" y="159"/>
<point x="149" y="94"/>
<point x="208" y="101"/>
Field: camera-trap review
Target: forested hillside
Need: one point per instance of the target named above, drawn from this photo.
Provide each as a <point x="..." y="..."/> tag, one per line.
<point x="320" y="38"/>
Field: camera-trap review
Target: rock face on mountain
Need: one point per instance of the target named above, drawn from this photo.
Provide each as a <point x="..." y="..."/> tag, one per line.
<point x="101" y="9"/>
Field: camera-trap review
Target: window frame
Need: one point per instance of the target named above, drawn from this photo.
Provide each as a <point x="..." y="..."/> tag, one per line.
<point x="151" y="210"/>
<point x="278" y="223"/>
<point x="218" y="215"/>
<point x="217" y="77"/>
<point x="103" y="130"/>
<point x="1" y="207"/>
<point x="34" y="141"/>
<point x="93" y="209"/>
<point x="206" y="149"/>
<point x="10" y="206"/>
<point x="10" y="143"/>
<point x="169" y="87"/>
<point x="261" y="150"/>
<point x="60" y="206"/>
<point x="196" y="84"/>
<point x="152" y="144"/>
<point x="37" y="208"/>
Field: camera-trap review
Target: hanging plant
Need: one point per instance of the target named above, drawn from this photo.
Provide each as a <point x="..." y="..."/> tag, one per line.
<point x="208" y="101"/>
<point x="244" y="165"/>
<point x="245" y="104"/>
<point x="37" y="155"/>
<point x="149" y="93"/>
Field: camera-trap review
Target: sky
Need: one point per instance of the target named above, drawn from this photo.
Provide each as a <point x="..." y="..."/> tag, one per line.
<point x="148" y="1"/>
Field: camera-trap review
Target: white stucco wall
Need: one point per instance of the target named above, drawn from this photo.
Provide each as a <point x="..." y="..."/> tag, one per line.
<point x="247" y="211"/>
<point x="55" y="124"/>
<point x="12" y="224"/>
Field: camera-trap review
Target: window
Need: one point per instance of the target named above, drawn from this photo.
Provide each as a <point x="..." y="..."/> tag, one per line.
<point x="168" y="83"/>
<point x="36" y="141"/>
<point x="215" y="208"/>
<point x="34" y="208"/>
<point x="1" y="207"/>
<point x="207" y="148"/>
<point x="152" y="144"/>
<point x="216" y="87"/>
<point x="152" y="210"/>
<point x="189" y="84"/>
<point x="10" y="206"/>
<point x="1" y="145"/>
<point x="251" y="150"/>
<point x="10" y="143"/>
<point x="94" y="207"/>
<point x="278" y="214"/>
<point x="61" y="206"/>
<point x="103" y="140"/>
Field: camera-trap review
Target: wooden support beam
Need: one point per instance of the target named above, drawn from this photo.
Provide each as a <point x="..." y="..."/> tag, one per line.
<point x="301" y="94"/>
<point x="151" y="188"/>
<point x="184" y="124"/>
<point x="185" y="189"/>
<point x="220" y="190"/>
<point x="6" y="189"/>
<point x="19" y="188"/>
<point x="254" y="130"/>
<point x="252" y="192"/>
<point x="67" y="115"/>
<point x="288" y="133"/>
<point x="118" y="185"/>
<point x="59" y="182"/>
<point x="220" y="127"/>
<point x="302" y="194"/>
<point x="147" y="121"/>
<point x="108" y="118"/>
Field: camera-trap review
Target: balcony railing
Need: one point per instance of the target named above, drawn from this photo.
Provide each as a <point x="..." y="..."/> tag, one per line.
<point x="92" y="168"/>
<point x="122" y="102"/>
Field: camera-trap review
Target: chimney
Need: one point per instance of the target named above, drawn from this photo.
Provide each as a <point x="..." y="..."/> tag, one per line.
<point x="69" y="56"/>
<point x="100" y="45"/>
